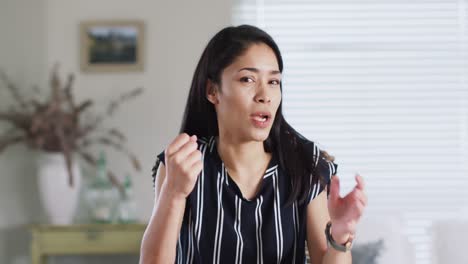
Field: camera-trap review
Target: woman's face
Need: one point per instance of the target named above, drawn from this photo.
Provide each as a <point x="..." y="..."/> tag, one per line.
<point x="250" y="95"/>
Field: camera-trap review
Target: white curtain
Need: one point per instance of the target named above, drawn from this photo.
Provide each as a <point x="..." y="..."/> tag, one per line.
<point x="382" y="86"/>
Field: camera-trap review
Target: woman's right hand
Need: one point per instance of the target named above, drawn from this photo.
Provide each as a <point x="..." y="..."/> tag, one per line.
<point x="183" y="165"/>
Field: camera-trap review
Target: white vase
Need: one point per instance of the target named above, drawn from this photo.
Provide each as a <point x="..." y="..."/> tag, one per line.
<point x="59" y="200"/>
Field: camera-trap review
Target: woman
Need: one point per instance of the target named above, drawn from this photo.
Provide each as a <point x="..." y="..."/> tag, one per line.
<point x="239" y="184"/>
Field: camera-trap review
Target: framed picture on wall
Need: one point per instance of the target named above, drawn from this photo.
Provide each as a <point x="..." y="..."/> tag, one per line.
<point x="112" y="45"/>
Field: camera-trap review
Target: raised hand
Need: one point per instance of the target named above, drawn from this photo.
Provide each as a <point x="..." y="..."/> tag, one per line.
<point x="183" y="165"/>
<point x="346" y="211"/>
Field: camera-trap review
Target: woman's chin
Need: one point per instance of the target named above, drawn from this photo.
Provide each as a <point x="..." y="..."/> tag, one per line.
<point x="260" y="136"/>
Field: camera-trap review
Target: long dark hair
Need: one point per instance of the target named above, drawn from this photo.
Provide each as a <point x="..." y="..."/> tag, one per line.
<point x="200" y="115"/>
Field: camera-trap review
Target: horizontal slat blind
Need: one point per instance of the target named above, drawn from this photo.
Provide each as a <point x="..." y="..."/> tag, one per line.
<point x="382" y="85"/>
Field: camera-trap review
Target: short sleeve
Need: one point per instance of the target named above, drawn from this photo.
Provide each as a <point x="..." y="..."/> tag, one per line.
<point x="159" y="159"/>
<point x="325" y="169"/>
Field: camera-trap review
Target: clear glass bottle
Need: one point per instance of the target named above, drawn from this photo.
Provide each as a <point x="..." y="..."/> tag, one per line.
<point x="102" y="195"/>
<point x="127" y="206"/>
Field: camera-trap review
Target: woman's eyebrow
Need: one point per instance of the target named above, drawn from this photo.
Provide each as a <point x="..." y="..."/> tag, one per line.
<point x="257" y="70"/>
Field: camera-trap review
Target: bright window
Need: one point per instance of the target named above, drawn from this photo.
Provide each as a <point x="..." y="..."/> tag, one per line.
<point x="381" y="85"/>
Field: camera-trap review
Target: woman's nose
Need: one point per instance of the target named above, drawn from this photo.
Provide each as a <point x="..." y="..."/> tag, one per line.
<point x="262" y="95"/>
<point x="263" y="99"/>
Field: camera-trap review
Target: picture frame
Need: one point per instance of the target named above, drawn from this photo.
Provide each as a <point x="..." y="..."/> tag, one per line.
<point x="112" y="46"/>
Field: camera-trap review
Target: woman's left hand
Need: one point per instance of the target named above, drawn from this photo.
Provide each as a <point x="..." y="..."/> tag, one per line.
<point x="346" y="211"/>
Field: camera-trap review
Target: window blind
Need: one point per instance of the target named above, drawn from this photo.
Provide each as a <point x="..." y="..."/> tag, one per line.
<point x="382" y="86"/>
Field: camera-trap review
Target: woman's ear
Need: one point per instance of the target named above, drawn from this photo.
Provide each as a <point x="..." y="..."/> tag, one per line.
<point x="211" y="92"/>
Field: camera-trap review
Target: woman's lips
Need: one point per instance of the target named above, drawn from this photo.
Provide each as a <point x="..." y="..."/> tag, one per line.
<point x="260" y="122"/>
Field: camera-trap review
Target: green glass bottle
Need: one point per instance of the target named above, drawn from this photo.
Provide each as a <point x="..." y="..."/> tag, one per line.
<point x="127" y="205"/>
<point x="102" y="195"/>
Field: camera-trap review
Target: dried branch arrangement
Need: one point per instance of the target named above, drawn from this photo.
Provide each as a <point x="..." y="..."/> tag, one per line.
<point x="56" y="125"/>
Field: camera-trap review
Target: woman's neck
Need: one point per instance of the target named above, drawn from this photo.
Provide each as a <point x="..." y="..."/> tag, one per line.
<point x="240" y="156"/>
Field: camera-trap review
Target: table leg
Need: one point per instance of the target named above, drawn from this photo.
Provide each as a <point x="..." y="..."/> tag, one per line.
<point x="36" y="256"/>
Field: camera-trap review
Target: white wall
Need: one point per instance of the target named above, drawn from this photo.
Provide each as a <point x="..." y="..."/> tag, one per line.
<point x="22" y="56"/>
<point x="34" y="34"/>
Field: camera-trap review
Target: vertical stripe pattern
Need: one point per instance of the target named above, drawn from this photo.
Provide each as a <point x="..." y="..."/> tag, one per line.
<point x="200" y="192"/>
<point x="221" y="226"/>
<point x="179" y="255"/>
<point x="190" y="240"/>
<point x="296" y="227"/>
<point x="220" y="220"/>
<point x="258" y="227"/>
<point x="278" y="224"/>
<point x="237" y="229"/>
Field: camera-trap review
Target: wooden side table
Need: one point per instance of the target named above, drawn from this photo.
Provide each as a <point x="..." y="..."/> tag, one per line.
<point x="48" y="240"/>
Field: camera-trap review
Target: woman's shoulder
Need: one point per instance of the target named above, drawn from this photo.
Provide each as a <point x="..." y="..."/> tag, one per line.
<point x="323" y="163"/>
<point x="310" y="147"/>
<point x="315" y="151"/>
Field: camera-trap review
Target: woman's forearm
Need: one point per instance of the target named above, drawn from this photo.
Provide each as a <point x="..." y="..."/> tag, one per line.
<point x="334" y="256"/>
<point x="161" y="235"/>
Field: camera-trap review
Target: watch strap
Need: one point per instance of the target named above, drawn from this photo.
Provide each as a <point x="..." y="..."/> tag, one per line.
<point x="340" y="247"/>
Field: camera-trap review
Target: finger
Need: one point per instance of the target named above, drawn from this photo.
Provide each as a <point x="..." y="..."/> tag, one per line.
<point x="334" y="188"/>
<point x="197" y="167"/>
<point x="360" y="182"/>
<point x="355" y="209"/>
<point x="360" y="196"/>
<point x="177" y="143"/>
<point x="193" y="158"/>
<point x="359" y="210"/>
<point x="189" y="148"/>
<point x="186" y="150"/>
<point x="357" y="194"/>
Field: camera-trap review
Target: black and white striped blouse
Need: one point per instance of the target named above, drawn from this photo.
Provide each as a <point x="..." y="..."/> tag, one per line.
<point x="221" y="226"/>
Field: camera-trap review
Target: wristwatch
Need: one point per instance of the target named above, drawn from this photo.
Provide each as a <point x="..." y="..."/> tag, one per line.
<point x="340" y="247"/>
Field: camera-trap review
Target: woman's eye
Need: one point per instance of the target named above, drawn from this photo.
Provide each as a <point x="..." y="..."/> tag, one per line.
<point x="246" y="79"/>
<point x="275" y="82"/>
